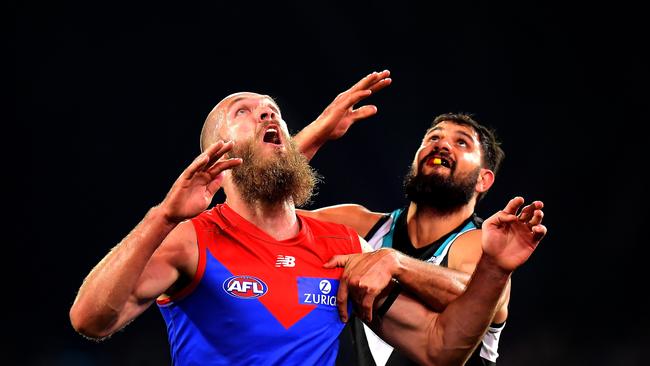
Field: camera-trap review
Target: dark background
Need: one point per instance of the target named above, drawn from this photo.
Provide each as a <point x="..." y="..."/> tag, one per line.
<point x="110" y="100"/>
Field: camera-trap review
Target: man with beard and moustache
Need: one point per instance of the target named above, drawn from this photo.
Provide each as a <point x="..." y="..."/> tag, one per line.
<point x="453" y="168"/>
<point x="249" y="281"/>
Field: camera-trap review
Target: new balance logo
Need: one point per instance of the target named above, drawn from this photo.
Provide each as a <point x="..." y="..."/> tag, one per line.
<point x="285" y="261"/>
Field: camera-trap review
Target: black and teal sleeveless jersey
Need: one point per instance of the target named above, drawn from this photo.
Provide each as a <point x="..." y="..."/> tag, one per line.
<point x="360" y="345"/>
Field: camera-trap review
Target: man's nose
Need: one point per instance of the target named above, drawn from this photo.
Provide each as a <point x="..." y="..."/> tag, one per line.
<point x="265" y="113"/>
<point x="442" y="143"/>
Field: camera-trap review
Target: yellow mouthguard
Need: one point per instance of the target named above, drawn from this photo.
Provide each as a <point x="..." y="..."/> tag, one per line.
<point x="437" y="161"/>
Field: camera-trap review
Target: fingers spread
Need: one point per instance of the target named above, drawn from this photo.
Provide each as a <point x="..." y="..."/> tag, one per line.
<point x="221" y="165"/>
<point x="208" y="159"/>
<point x="379" y="85"/>
<point x="506" y="218"/>
<point x="356" y="97"/>
<point x="526" y="213"/>
<point x="199" y="163"/>
<point x="364" y="112"/>
<point x="539" y="231"/>
<point x="537" y="218"/>
<point x="214" y="148"/>
<point x="218" y="151"/>
<point x="370" y="80"/>
<point x="513" y="205"/>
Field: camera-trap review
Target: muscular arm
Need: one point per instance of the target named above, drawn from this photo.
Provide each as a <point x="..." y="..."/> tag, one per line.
<point x="151" y="258"/>
<point x="446" y="338"/>
<point x="464" y="255"/>
<point x="130" y="277"/>
<point x="357" y="217"/>
<point x="450" y="336"/>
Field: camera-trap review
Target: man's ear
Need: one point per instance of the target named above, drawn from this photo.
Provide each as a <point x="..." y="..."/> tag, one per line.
<point x="485" y="180"/>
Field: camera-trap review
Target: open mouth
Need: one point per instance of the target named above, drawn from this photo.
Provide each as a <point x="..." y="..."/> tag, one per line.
<point x="272" y="136"/>
<point x="439" y="160"/>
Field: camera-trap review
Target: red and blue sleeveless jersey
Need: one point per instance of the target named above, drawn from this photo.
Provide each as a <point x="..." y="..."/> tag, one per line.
<point x="258" y="301"/>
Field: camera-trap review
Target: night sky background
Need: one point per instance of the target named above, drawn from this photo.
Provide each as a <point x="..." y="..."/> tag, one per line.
<point x="109" y="100"/>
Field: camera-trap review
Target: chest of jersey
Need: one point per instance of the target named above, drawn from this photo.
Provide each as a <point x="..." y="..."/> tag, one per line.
<point x="259" y="301"/>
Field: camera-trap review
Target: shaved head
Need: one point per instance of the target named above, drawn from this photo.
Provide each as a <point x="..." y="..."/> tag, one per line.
<point x="211" y="131"/>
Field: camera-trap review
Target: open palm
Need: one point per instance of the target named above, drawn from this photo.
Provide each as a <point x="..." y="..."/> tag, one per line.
<point x="192" y="192"/>
<point x="337" y="118"/>
<point x="509" y="238"/>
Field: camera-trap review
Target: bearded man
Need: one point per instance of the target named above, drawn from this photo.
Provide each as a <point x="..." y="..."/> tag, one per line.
<point x="453" y="168"/>
<point x="250" y="281"/>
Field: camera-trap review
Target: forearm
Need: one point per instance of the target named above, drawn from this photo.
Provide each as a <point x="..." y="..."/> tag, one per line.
<point x="434" y="285"/>
<point x="107" y="288"/>
<point x="460" y="327"/>
<point x="310" y="139"/>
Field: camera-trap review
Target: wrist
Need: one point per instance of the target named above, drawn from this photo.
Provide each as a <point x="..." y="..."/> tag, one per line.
<point x="398" y="266"/>
<point x="309" y="140"/>
<point x="160" y="214"/>
<point x="491" y="264"/>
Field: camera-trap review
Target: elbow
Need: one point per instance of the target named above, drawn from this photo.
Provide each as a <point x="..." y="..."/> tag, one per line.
<point x="88" y="325"/>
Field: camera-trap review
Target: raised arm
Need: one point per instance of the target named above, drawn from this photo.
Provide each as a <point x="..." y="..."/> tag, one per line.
<point x="450" y="337"/>
<point x="467" y="250"/>
<point x="149" y="260"/>
<point x="341" y="114"/>
<point x="359" y="218"/>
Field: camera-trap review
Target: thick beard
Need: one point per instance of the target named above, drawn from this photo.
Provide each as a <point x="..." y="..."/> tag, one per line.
<point x="273" y="180"/>
<point x="443" y="194"/>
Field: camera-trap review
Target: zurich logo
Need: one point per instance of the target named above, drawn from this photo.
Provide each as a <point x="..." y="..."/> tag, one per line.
<point x="320" y="292"/>
<point x="245" y="287"/>
<point x="325" y="286"/>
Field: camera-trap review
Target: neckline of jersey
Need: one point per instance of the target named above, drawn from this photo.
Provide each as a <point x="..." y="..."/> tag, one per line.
<point x="237" y="221"/>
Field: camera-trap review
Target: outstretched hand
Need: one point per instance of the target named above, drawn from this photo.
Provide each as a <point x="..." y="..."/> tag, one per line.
<point x="510" y="238"/>
<point x="337" y="118"/>
<point x="192" y="192"/>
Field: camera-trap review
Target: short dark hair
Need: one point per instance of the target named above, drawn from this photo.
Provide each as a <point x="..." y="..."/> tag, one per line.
<point x="493" y="155"/>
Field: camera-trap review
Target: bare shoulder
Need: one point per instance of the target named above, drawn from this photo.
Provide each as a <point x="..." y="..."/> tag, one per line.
<point x="171" y="266"/>
<point x="466" y="251"/>
<point x="359" y="218"/>
<point x="180" y="249"/>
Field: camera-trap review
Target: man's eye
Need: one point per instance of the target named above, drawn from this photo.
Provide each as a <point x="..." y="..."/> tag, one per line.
<point x="241" y="111"/>
<point x="462" y="143"/>
<point x="434" y="138"/>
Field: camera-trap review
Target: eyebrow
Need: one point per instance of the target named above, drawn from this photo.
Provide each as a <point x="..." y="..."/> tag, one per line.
<point x="461" y="132"/>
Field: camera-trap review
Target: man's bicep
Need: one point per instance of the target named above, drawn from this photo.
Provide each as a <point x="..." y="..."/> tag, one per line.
<point x="176" y="257"/>
<point x="464" y="256"/>
<point x="466" y="251"/>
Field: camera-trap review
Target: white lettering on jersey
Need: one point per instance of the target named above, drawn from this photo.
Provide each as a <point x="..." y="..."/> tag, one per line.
<point x="244" y="286"/>
<point x="285" y="261"/>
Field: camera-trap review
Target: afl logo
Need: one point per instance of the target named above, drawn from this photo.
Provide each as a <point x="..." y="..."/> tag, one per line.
<point x="245" y="287"/>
